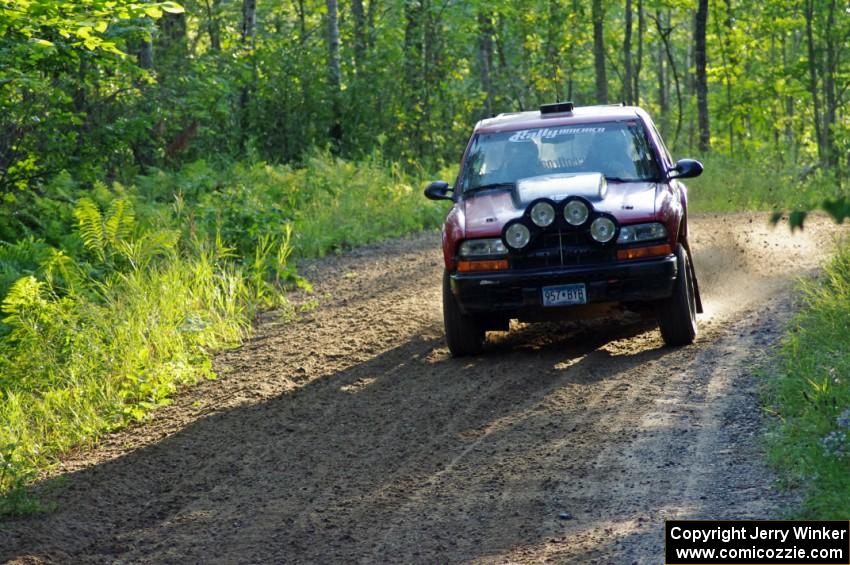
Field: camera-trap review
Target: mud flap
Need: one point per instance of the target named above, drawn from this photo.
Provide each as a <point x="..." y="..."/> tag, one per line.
<point x="694" y="277"/>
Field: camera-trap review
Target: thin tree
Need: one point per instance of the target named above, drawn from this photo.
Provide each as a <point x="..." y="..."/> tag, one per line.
<point x="361" y="34"/>
<point x="334" y="74"/>
<point x="701" y="79"/>
<point x="598" y="15"/>
<point x="249" y="21"/>
<point x="627" y="55"/>
<point x="485" y="57"/>
<point x="664" y="32"/>
<point x="639" y="61"/>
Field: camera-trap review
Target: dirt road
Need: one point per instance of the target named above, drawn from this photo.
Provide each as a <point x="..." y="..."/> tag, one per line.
<point x="352" y="436"/>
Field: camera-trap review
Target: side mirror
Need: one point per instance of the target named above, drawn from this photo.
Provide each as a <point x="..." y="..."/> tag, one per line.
<point x="686" y="169"/>
<point x="438" y="190"/>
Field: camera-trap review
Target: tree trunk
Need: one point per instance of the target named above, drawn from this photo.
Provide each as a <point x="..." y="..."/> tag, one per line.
<point x="249" y="21"/>
<point x="485" y="58"/>
<point x="598" y="15"/>
<point x="789" y="102"/>
<point x="701" y="79"/>
<point x="639" y="61"/>
<point x="663" y="99"/>
<point x="664" y="32"/>
<point x="172" y="46"/>
<point x="413" y="69"/>
<point x="554" y="43"/>
<point x="334" y="74"/>
<point x="829" y="92"/>
<point x="360" y="34"/>
<point x="627" y="55"/>
<point x="370" y="23"/>
<point x="213" y="25"/>
<point x="813" y="78"/>
<point x="507" y="70"/>
<point x="145" y="55"/>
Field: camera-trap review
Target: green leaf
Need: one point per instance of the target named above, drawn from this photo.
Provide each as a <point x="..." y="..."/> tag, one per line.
<point x="839" y="209"/>
<point x="775" y="217"/>
<point x="154" y="12"/>
<point x="172" y="7"/>
<point x="796" y="219"/>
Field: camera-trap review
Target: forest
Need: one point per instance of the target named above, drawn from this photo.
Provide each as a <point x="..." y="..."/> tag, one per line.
<point x="108" y="89"/>
<point x="163" y="165"/>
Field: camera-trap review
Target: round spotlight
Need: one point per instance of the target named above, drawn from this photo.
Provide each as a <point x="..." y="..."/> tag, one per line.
<point x="517" y="236"/>
<point x="602" y="229"/>
<point x="576" y="212"/>
<point x="543" y="214"/>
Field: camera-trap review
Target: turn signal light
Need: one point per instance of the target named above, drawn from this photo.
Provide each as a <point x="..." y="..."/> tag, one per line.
<point x="641" y="252"/>
<point x="494" y="265"/>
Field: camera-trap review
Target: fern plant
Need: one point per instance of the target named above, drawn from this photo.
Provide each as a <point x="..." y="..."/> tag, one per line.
<point x="114" y="235"/>
<point x="103" y="234"/>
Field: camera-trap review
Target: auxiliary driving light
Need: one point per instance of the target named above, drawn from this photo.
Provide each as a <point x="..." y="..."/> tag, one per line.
<point x="603" y="229"/>
<point x="543" y="214"/>
<point x="517" y="236"/>
<point x="576" y="212"/>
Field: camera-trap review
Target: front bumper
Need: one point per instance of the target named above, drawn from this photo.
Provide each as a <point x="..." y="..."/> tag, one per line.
<point x="513" y="293"/>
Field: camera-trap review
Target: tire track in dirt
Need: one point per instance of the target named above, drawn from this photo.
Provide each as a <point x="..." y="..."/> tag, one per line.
<point x="351" y="436"/>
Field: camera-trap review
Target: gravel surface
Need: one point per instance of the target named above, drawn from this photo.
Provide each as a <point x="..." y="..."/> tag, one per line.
<point x="350" y="435"/>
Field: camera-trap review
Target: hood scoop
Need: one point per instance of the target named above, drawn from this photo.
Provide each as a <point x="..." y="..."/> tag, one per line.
<point x="559" y="186"/>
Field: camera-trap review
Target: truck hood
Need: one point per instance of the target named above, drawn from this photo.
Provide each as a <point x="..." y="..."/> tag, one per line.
<point x="485" y="214"/>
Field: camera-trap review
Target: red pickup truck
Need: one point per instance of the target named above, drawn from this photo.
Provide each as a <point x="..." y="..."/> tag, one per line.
<point x="566" y="212"/>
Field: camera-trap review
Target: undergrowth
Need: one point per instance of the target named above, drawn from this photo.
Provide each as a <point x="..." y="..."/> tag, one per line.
<point x="116" y="296"/>
<point x="731" y="184"/>
<point x="810" y="395"/>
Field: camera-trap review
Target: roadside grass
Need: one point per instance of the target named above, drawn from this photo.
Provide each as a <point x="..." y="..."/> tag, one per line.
<point x="124" y="294"/>
<point x="810" y="395"/>
<point x="731" y="184"/>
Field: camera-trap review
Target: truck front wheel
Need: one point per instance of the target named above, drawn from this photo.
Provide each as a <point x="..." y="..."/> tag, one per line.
<point x="677" y="315"/>
<point x="464" y="335"/>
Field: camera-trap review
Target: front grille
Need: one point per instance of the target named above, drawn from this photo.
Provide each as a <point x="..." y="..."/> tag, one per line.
<point x="563" y="248"/>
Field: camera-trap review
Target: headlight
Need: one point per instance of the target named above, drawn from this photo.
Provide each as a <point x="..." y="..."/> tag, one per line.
<point x="641" y="232"/>
<point x="576" y="212"/>
<point x="543" y="214"/>
<point x="602" y="229"/>
<point x="479" y="247"/>
<point x="517" y="235"/>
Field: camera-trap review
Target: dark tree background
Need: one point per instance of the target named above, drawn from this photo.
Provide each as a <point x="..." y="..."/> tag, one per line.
<point x="104" y="90"/>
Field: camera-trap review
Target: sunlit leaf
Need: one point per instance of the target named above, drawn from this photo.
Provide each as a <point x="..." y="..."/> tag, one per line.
<point x="172" y="7"/>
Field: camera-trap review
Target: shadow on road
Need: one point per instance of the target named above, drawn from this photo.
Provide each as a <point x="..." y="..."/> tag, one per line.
<point x="409" y="456"/>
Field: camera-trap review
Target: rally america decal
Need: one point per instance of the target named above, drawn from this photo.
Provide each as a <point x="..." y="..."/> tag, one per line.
<point x="548" y="133"/>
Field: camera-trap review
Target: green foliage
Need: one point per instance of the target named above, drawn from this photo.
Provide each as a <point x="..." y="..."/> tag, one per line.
<point x="107" y="89"/>
<point x="131" y="245"/>
<point x="732" y="185"/>
<point x="156" y="276"/>
<point x="810" y="395"/>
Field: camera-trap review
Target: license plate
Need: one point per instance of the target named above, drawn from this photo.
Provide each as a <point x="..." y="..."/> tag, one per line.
<point x="564" y="295"/>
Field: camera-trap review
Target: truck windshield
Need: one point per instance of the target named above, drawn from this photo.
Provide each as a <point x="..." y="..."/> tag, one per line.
<point x="619" y="150"/>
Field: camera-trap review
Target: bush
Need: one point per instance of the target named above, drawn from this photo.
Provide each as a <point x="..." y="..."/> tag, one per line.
<point x="732" y="185"/>
<point x="105" y="318"/>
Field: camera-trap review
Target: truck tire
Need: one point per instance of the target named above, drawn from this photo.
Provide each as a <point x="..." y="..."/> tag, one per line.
<point x="464" y="335"/>
<point x="677" y="315"/>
